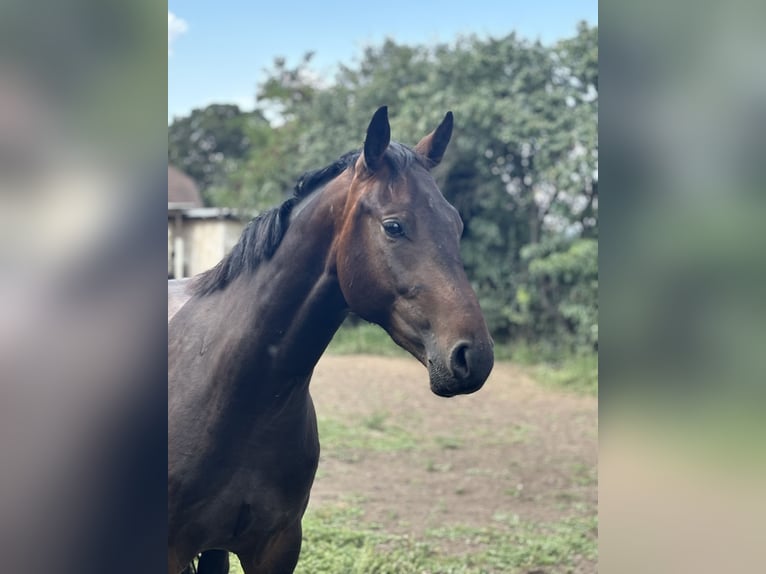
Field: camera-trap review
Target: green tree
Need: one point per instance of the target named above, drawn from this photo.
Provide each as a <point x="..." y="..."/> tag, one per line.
<point x="522" y="169"/>
<point x="277" y="151"/>
<point x="209" y="143"/>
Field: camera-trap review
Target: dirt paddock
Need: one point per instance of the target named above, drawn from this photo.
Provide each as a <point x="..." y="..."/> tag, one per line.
<point x="415" y="461"/>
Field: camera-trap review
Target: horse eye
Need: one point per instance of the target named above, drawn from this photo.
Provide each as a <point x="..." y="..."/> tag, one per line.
<point x="393" y="228"/>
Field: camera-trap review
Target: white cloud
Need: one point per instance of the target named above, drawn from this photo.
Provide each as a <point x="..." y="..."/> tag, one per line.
<point x="176" y="27"/>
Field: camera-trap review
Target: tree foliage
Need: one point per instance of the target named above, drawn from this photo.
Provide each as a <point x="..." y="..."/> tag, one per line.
<point x="522" y="168"/>
<point x="209" y="143"/>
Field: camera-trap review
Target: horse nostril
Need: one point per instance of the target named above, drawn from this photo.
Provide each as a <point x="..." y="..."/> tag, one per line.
<point x="459" y="361"/>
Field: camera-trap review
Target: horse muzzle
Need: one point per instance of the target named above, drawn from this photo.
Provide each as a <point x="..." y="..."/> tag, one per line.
<point x="461" y="371"/>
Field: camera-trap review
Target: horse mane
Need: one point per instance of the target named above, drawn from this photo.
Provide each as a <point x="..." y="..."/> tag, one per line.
<point x="263" y="234"/>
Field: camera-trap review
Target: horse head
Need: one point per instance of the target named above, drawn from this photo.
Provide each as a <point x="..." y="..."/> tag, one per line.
<point x="398" y="259"/>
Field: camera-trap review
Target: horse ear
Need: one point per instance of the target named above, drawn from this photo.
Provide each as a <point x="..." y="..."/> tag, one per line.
<point x="434" y="144"/>
<point x="377" y="140"/>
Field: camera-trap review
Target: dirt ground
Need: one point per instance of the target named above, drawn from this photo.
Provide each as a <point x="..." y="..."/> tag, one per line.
<point x="513" y="449"/>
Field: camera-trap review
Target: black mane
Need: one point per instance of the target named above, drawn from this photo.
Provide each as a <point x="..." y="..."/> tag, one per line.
<point x="264" y="233"/>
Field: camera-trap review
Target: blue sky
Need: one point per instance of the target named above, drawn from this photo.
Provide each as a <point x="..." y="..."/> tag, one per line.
<point x="217" y="50"/>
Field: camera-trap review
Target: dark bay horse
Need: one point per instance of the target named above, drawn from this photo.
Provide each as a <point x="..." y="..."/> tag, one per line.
<point x="371" y="234"/>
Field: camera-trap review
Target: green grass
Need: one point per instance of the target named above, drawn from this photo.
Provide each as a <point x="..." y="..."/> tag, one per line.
<point x="350" y="438"/>
<point x="364" y="338"/>
<point x="584" y="475"/>
<point x="371" y="433"/>
<point x="449" y="442"/>
<point x="577" y="372"/>
<point x="522" y="547"/>
<point x="337" y="540"/>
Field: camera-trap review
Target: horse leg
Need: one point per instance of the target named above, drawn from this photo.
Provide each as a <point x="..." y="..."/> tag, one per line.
<point x="213" y="562"/>
<point x="279" y="557"/>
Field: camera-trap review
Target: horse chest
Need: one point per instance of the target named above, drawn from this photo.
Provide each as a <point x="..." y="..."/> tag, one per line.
<point x="277" y="481"/>
<point x="262" y="497"/>
<point x="258" y="483"/>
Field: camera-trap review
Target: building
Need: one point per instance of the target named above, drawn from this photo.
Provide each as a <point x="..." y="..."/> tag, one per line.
<point x="198" y="236"/>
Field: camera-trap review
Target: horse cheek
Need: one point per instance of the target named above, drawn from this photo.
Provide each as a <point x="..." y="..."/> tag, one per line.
<point x="362" y="280"/>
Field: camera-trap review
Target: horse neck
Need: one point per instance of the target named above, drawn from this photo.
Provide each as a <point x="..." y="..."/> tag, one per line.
<point x="290" y="308"/>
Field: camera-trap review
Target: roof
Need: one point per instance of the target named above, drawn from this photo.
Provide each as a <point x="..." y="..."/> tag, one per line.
<point x="207" y="212"/>
<point x="182" y="190"/>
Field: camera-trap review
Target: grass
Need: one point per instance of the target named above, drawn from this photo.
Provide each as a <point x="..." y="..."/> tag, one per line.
<point x="449" y="442"/>
<point x="371" y="433"/>
<point x="584" y="475"/>
<point x="364" y="338"/>
<point x="337" y="540"/>
<point x="524" y="547"/>
<point x="576" y="372"/>
<point x="573" y="372"/>
<point x="349" y="439"/>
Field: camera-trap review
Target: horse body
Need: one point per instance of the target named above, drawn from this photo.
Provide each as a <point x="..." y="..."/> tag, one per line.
<point x="242" y="436"/>
<point x="260" y="452"/>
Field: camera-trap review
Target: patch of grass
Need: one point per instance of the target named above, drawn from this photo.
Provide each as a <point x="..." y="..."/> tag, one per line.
<point x="433" y="466"/>
<point x="576" y="372"/>
<point x="515" y="492"/>
<point x="523" y="547"/>
<point x="349" y="439"/>
<point x="512" y="433"/>
<point x="376" y="421"/>
<point x="372" y="433"/>
<point x="449" y="442"/>
<point x="584" y="475"/>
<point x="336" y="540"/>
<point x="566" y="498"/>
<point x="364" y="338"/>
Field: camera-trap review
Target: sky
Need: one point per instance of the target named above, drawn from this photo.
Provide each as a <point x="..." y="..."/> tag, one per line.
<point x="218" y="50"/>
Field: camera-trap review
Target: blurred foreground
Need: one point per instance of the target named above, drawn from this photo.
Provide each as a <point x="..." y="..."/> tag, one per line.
<point x="82" y="391"/>
<point x="682" y="268"/>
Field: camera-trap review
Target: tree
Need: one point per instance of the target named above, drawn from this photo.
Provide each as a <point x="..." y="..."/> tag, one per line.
<point x="522" y="169"/>
<point x="209" y="143"/>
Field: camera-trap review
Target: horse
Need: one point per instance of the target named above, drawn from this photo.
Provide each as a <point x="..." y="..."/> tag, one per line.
<point x="370" y="234"/>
